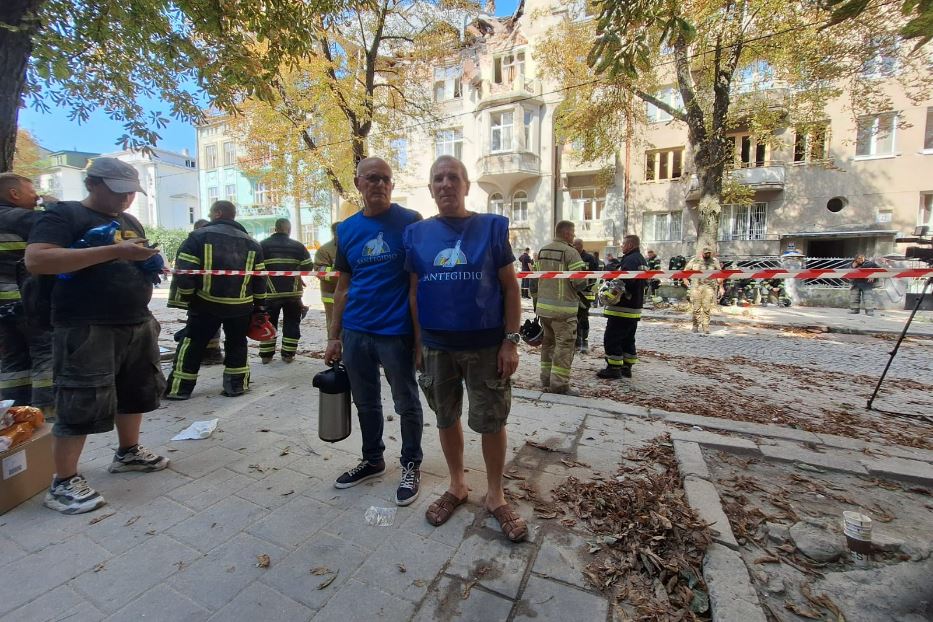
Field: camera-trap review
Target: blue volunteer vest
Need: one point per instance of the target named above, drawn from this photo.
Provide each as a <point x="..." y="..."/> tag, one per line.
<point x="458" y="279"/>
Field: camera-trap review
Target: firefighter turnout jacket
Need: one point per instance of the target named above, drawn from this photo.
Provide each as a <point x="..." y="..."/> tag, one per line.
<point x="219" y="245"/>
<point x="15" y="225"/>
<point x="280" y="252"/>
<point x="557" y="298"/>
<point x="324" y="260"/>
<point x="633" y="294"/>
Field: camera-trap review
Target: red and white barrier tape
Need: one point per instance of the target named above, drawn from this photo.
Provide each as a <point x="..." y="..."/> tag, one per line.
<point x="816" y="273"/>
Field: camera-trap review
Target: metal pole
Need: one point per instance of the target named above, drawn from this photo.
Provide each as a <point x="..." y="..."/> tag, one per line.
<point x="899" y="340"/>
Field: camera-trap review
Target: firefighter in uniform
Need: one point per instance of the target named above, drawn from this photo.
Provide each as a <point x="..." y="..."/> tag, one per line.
<point x="213" y="355"/>
<point x="25" y="349"/>
<point x="215" y="301"/>
<point x="587" y="298"/>
<point x="324" y="262"/>
<point x="654" y="263"/>
<point x="283" y="293"/>
<point x="624" y="299"/>
<point x="703" y="290"/>
<point x="557" y="303"/>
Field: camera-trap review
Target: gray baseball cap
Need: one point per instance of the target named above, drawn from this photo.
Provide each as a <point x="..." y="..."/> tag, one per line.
<point x="117" y="174"/>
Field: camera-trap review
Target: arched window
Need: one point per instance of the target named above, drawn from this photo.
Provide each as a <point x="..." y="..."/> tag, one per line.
<point x="496" y="204"/>
<point x="520" y="206"/>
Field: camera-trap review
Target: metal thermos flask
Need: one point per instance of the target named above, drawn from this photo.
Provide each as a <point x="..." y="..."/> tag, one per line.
<point x="333" y="418"/>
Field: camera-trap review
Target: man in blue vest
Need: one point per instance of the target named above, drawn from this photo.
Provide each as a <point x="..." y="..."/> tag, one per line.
<point x="466" y="303"/>
<point x="372" y="326"/>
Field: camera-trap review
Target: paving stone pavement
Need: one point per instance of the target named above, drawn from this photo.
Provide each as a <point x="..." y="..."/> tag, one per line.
<point x="182" y="544"/>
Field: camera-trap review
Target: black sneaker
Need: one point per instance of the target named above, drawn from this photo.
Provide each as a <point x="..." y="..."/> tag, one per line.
<point x="610" y="372"/>
<point x="137" y="459"/>
<point x="626" y="371"/>
<point x="408" y="486"/>
<point x="359" y="474"/>
<point x="73" y="496"/>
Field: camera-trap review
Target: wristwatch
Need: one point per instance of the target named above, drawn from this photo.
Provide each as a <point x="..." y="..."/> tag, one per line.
<point x="513" y="337"/>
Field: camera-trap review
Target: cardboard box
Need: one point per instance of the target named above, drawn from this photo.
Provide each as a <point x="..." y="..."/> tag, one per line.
<point x="26" y="469"/>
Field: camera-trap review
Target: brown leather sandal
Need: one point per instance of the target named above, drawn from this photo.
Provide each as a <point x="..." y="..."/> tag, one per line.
<point x="441" y="510"/>
<point x="513" y="525"/>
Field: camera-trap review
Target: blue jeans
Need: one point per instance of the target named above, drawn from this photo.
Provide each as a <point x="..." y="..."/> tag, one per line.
<point x="362" y="355"/>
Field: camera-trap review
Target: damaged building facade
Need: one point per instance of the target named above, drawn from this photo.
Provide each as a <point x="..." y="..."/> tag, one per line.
<point x="498" y="118"/>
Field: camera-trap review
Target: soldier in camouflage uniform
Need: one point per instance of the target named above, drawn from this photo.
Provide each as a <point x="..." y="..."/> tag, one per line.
<point x="557" y="303"/>
<point x="703" y="291"/>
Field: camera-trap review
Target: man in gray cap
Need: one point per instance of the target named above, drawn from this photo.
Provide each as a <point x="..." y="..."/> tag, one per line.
<point x="105" y="343"/>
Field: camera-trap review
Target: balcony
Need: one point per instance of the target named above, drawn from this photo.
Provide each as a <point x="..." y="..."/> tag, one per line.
<point x="499" y="93"/>
<point x="773" y="99"/>
<point x="595" y="230"/>
<point x="508" y="168"/>
<point x="769" y="177"/>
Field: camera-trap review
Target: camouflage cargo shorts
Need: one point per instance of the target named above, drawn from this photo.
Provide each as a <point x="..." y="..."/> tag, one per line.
<point x="445" y="373"/>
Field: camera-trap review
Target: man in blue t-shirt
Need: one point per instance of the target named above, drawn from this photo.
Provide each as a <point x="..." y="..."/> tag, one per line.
<point x="466" y="305"/>
<point x="372" y="326"/>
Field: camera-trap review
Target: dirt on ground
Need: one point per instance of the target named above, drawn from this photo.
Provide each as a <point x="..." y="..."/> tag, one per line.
<point x="788" y="522"/>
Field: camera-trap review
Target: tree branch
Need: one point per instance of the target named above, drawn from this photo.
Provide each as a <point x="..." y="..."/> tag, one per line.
<point x="661" y="105"/>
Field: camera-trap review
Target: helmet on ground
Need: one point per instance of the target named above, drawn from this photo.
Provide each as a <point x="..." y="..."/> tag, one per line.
<point x="532" y="333"/>
<point x="260" y="328"/>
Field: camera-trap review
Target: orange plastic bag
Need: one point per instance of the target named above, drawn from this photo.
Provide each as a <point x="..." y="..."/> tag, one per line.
<point x="18" y="433"/>
<point x="27" y="414"/>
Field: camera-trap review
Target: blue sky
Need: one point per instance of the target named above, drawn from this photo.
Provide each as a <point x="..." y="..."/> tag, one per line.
<point x="55" y="131"/>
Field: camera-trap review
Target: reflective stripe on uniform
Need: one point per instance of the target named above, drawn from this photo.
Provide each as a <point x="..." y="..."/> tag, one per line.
<point x="208" y="264"/>
<point x="250" y="258"/>
<point x="568" y="309"/>
<point x="327" y="299"/>
<point x="177" y="374"/>
<point x="633" y="314"/>
<point x="10" y="295"/>
<point x="233" y="371"/>
<point x="576" y="265"/>
<point x="12" y="379"/>
<point x="614" y="361"/>
<point x="224" y="301"/>
<point x="563" y="372"/>
<point x="189" y="258"/>
<point x="630" y="360"/>
<point x="12" y="246"/>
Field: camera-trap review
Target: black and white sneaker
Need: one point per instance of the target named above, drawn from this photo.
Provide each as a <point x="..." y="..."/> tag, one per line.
<point x="359" y="474"/>
<point x="407" y="490"/>
<point x="73" y="496"/>
<point x="137" y="459"/>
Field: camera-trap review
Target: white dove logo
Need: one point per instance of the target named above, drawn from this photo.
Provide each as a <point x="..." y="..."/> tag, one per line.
<point x="375" y="246"/>
<point x="450" y="257"/>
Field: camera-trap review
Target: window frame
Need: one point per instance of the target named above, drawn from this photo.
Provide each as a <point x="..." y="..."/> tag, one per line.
<point x="501" y="130"/>
<point x="729" y="225"/>
<point x="496" y="200"/>
<point x="672" y="164"/>
<point x="229" y="149"/>
<point x="455" y="142"/>
<point x="579" y="204"/>
<point x="230" y="196"/>
<point x="210" y="156"/>
<point x="873" y="133"/>
<point x="810" y="134"/>
<point x="515" y="66"/>
<point x="928" y="132"/>
<point x="673" y="226"/>
<point x="926" y="205"/>
<point x="450" y="78"/>
<point x="669" y="95"/>
<point x="519" y="207"/>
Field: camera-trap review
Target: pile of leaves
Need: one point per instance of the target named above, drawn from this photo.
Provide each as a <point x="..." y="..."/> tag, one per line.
<point x="649" y="543"/>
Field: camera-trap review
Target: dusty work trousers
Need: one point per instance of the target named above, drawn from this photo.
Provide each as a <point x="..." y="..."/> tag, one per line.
<point x="861" y="296"/>
<point x="557" y="349"/>
<point x="619" y="341"/>
<point x="701" y="299"/>
<point x="328" y="318"/>
<point x="201" y="328"/>
<point x="25" y="363"/>
<point x="290" y="310"/>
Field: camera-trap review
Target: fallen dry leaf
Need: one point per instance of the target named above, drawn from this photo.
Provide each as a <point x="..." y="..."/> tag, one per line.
<point x="285" y="451"/>
<point x="320" y="571"/>
<point x="97" y="519"/>
<point x="132" y="520"/>
<point x="402" y="568"/>
<point x="99" y="566"/>
<point x="263" y="561"/>
<point x="328" y="581"/>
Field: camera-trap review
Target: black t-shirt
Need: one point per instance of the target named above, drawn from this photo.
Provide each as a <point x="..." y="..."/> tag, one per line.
<point x="115" y="292"/>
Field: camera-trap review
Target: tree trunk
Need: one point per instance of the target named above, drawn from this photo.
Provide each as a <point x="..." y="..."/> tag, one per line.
<point x="709" y="207"/>
<point x="18" y="27"/>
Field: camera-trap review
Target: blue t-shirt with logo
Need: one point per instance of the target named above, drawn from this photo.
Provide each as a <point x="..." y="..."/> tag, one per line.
<point x="370" y="249"/>
<point x="457" y="260"/>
